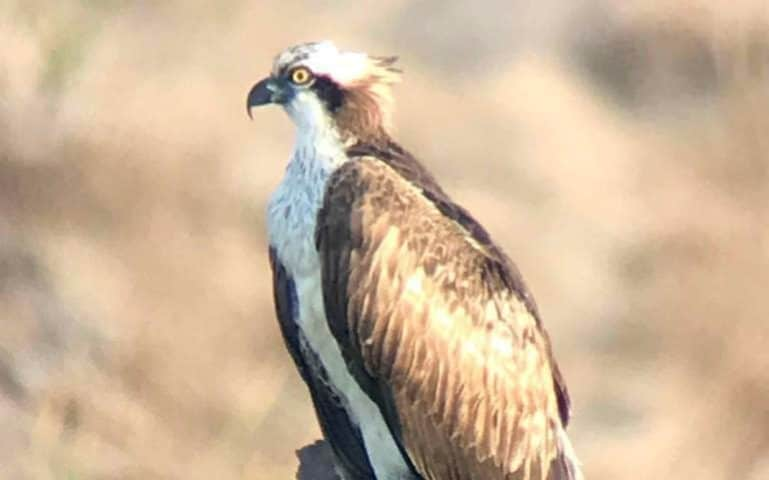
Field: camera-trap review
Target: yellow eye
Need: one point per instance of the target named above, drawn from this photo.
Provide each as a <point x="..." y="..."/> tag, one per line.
<point x="300" y="75"/>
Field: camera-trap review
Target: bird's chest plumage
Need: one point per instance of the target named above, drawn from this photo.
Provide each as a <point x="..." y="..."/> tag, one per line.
<point x="292" y="217"/>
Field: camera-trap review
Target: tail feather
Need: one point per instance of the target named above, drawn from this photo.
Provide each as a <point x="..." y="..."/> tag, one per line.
<point x="566" y="466"/>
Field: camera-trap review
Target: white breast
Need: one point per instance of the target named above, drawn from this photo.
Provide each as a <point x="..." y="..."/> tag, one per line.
<point x="291" y="223"/>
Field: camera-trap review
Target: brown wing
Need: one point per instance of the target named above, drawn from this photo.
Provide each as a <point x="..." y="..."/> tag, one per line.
<point x="453" y="355"/>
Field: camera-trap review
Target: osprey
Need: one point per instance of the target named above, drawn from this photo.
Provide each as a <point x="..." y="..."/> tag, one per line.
<point x="421" y="347"/>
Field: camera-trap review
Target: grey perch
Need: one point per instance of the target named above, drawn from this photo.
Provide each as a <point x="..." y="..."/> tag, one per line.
<point x="316" y="462"/>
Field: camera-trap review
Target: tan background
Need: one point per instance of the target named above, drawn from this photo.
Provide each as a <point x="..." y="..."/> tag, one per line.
<point x="619" y="151"/>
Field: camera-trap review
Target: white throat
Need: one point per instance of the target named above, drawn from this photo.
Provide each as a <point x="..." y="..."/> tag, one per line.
<point x="292" y="211"/>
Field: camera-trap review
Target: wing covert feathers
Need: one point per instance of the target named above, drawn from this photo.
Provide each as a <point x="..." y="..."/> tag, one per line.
<point x="444" y="328"/>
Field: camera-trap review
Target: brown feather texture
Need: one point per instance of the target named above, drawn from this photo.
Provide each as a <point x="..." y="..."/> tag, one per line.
<point x="367" y="109"/>
<point x="432" y="316"/>
<point x="369" y="102"/>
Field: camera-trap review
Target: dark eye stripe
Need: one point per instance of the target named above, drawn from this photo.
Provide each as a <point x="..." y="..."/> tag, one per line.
<point x="329" y="92"/>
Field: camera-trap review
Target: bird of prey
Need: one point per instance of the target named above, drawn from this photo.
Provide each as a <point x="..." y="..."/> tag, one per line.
<point x="420" y="345"/>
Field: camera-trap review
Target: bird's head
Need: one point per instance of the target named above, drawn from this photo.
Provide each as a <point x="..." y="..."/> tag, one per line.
<point x="319" y="85"/>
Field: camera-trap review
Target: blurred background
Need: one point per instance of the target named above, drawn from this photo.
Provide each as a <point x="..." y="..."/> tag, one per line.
<point x="618" y="151"/>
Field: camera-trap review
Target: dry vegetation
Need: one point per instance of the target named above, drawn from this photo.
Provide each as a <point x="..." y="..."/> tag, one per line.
<point x="619" y="153"/>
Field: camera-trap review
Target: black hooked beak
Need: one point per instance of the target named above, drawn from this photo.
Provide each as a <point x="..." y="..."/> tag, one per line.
<point x="269" y="90"/>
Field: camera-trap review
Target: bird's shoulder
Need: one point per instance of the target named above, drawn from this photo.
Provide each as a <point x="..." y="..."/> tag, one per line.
<point x="383" y="177"/>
